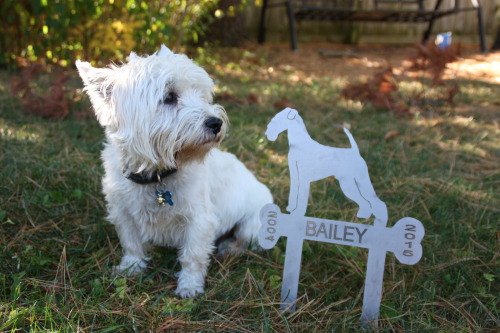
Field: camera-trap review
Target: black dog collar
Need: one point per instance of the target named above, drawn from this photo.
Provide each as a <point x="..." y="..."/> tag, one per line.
<point x="156" y="177"/>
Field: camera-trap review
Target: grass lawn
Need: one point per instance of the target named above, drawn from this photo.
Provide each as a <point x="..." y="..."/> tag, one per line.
<point x="442" y="167"/>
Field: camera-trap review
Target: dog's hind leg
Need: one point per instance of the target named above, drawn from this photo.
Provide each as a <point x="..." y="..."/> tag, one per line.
<point x="242" y="236"/>
<point x="247" y="232"/>
<point x="378" y="207"/>
<point x="234" y="242"/>
<point x="380" y="212"/>
<point x="352" y="190"/>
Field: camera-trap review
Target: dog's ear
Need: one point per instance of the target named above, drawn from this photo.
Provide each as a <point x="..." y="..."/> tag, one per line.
<point x="164" y="51"/>
<point x="291" y="114"/>
<point x="98" y="84"/>
<point x="133" y="56"/>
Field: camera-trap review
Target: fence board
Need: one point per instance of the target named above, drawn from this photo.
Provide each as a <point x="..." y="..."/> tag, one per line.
<point x="463" y="25"/>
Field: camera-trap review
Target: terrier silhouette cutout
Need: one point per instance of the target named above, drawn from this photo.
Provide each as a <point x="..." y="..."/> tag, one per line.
<point x="310" y="161"/>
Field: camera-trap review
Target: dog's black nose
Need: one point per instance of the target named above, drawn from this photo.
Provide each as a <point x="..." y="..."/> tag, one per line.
<point x="214" y="124"/>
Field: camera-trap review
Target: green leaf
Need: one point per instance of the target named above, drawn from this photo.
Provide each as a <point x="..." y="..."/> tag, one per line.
<point x="275" y="281"/>
<point x="121" y="287"/>
<point x="175" y="305"/>
<point x="489" y="277"/>
<point x="77" y="194"/>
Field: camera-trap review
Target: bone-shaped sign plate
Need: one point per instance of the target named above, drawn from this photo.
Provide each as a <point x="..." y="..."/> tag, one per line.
<point x="403" y="239"/>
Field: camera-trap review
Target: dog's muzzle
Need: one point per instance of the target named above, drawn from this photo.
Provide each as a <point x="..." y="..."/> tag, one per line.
<point x="214" y="124"/>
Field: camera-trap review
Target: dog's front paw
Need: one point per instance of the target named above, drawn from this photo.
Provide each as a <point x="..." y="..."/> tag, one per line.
<point x="188" y="292"/>
<point x="131" y="265"/>
<point x="189" y="285"/>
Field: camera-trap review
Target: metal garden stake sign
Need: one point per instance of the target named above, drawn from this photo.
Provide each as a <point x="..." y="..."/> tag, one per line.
<point x="310" y="161"/>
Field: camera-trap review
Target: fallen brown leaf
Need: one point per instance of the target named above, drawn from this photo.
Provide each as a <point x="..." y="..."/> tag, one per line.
<point x="283" y="104"/>
<point x="389" y="135"/>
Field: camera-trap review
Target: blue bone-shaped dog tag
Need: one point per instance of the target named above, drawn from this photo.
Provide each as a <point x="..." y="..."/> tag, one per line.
<point x="164" y="197"/>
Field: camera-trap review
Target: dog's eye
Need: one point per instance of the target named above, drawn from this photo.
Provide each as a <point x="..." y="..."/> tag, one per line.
<point x="170" y="98"/>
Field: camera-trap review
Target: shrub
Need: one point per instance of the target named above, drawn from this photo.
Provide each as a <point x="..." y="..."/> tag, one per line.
<point x="60" y="31"/>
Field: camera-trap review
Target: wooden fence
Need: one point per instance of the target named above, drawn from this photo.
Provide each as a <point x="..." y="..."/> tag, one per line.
<point x="463" y="26"/>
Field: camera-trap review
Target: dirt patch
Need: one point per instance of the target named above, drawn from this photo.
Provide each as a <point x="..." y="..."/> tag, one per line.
<point x="355" y="62"/>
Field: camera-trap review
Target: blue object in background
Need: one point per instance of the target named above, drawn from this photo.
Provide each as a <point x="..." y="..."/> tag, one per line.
<point x="443" y="40"/>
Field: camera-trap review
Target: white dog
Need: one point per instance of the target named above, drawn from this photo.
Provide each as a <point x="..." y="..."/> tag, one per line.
<point x="165" y="183"/>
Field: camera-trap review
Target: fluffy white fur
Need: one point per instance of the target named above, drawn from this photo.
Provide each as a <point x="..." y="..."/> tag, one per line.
<point x="212" y="191"/>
